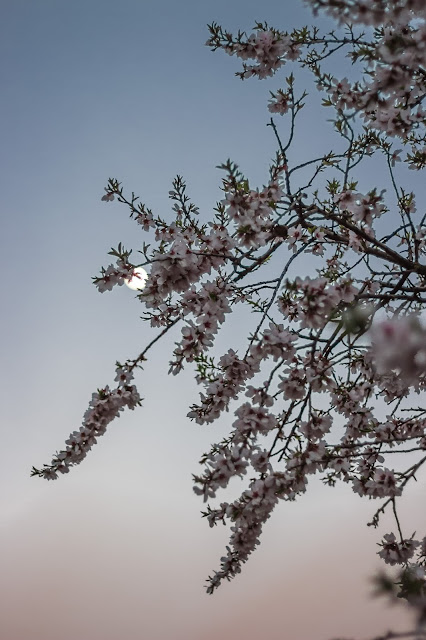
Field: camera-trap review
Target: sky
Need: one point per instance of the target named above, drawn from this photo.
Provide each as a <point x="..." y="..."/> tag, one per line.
<point x="117" y="548"/>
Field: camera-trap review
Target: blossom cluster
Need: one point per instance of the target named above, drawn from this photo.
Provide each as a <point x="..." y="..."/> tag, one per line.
<point x="313" y="301"/>
<point x="114" y="275"/>
<point x="394" y="552"/>
<point x="106" y="405"/>
<point x="252" y="212"/>
<point x="362" y="208"/>
<point x="269" y="48"/>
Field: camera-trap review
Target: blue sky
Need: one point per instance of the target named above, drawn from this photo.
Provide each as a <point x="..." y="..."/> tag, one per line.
<point x="95" y="89"/>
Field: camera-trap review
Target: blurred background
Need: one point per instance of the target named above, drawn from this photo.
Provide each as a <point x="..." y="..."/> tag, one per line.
<point x="117" y="548"/>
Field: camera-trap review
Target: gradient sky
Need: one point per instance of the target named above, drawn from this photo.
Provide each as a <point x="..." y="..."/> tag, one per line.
<point x="117" y="549"/>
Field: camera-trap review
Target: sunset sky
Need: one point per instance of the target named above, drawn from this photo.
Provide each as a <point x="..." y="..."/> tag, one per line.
<point x="117" y="550"/>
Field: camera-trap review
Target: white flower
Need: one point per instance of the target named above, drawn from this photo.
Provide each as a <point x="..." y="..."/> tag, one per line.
<point x="394" y="552"/>
<point x="109" y="196"/>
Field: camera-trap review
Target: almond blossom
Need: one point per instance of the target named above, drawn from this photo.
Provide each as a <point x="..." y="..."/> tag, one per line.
<point x="324" y="380"/>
